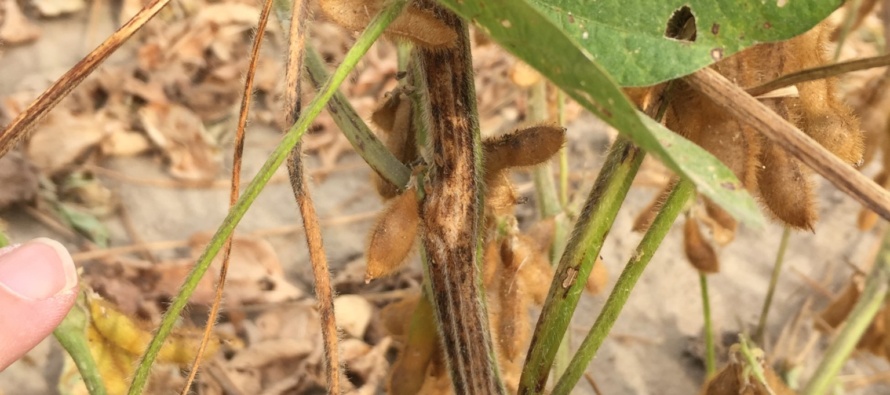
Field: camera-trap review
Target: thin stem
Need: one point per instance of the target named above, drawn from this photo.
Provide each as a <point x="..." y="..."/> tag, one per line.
<point x="577" y="261"/>
<point x="817" y="73"/>
<point x="583" y="248"/>
<point x="625" y="284"/>
<point x="710" y="352"/>
<point x="356" y="130"/>
<point x="364" y="42"/>
<point x="547" y="197"/>
<point x="72" y="335"/>
<point x="246" y="96"/>
<point x="564" y="152"/>
<point x="324" y="293"/>
<point x="773" y="280"/>
<point x="870" y="301"/>
<point x="234" y="189"/>
<point x="548" y="203"/>
<point x="752" y="362"/>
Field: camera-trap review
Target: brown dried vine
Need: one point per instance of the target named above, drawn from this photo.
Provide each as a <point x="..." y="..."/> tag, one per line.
<point x="234" y="190"/>
<point x="299" y="27"/>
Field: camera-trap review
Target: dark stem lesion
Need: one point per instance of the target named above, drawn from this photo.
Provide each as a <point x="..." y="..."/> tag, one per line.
<point x="452" y="211"/>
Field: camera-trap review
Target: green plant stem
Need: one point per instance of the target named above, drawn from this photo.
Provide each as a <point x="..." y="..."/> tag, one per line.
<point x="72" y="335"/>
<point x="549" y="205"/>
<point x="547" y="197"/>
<point x="849" y="19"/>
<point x="870" y="301"/>
<point x="773" y="280"/>
<point x="564" y="152"/>
<point x="632" y="272"/>
<point x="583" y="248"/>
<point x="356" y="130"/>
<point x="710" y="352"/>
<point x="389" y="12"/>
<point x="753" y="364"/>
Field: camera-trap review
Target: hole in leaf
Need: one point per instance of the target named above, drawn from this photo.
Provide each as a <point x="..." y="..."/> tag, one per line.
<point x="681" y="25"/>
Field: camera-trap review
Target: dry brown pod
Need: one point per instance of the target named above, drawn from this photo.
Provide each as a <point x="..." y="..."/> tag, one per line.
<point x="786" y="189"/>
<point x="736" y="378"/>
<point x="699" y="251"/>
<point x="842" y="304"/>
<point x="536" y="272"/>
<point x="393" y="118"/>
<point x="723" y="226"/>
<point x="523" y="147"/>
<point x="492" y="262"/>
<point x="396" y="316"/>
<point x="524" y="75"/>
<point x="500" y="197"/>
<point x="542" y="233"/>
<point x="517" y="252"/>
<point x="644" y="219"/>
<point x="409" y="372"/>
<point x="393" y="236"/>
<point x="417" y="25"/>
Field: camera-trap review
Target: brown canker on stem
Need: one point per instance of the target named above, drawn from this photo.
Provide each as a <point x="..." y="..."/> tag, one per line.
<point x="420" y="26"/>
<point x="392" y="237"/>
<point x="452" y="213"/>
<point x="699" y="251"/>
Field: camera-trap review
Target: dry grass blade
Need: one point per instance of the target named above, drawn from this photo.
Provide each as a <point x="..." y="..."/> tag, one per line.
<point x="40" y="107"/>
<point x="323" y="289"/>
<point x="235" y="190"/>
<point x="743" y="106"/>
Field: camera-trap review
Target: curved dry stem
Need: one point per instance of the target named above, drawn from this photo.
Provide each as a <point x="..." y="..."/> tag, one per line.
<point x="320" y="271"/>
<point x="234" y="191"/>
<point x="71" y="79"/>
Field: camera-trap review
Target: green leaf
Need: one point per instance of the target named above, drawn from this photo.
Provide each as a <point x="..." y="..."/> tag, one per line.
<point x="628" y="37"/>
<point x="522" y="30"/>
<point x="86" y="223"/>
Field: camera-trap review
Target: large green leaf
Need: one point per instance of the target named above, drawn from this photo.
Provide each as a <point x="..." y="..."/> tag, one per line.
<point x="628" y="38"/>
<point x="529" y="35"/>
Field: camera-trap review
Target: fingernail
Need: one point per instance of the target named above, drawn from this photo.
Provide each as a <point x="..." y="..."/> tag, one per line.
<point x="38" y="269"/>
